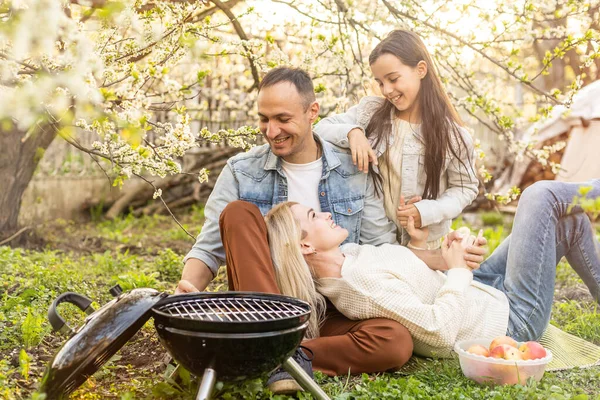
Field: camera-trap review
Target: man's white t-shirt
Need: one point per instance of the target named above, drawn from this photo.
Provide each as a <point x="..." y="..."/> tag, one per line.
<point x="303" y="182"/>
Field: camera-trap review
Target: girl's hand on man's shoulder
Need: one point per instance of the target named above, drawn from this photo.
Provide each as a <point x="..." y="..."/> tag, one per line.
<point x="362" y="153"/>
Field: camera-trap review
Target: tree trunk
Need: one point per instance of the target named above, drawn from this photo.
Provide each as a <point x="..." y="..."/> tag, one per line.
<point x="20" y="157"/>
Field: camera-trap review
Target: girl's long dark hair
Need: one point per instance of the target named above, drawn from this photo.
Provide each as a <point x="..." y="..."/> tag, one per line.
<point x="440" y="123"/>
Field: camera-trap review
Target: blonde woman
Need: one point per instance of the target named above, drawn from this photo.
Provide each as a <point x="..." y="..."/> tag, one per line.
<point x="511" y="294"/>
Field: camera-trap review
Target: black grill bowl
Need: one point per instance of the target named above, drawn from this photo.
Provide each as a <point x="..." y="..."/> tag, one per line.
<point x="234" y="356"/>
<point x="234" y="349"/>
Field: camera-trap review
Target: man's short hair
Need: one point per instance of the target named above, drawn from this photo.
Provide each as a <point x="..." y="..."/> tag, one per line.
<point x="297" y="77"/>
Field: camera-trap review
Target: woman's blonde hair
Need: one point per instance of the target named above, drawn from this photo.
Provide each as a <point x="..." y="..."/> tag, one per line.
<point x="294" y="276"/>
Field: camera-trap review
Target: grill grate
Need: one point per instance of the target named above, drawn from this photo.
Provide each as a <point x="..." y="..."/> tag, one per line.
<point x="232" y="309"/>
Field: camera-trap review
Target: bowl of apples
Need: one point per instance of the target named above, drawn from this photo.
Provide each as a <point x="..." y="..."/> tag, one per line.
<point x="502" y="361"/>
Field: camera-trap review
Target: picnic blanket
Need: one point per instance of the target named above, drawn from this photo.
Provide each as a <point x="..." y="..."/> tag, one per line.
<point x="568" y="351"/>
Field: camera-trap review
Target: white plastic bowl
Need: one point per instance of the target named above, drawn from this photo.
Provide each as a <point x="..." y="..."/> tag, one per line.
<point x="498" y="371"/>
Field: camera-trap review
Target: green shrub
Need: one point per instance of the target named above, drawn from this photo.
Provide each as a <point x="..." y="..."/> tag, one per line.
<point x="169" y="265"/>
<point x="136" y="279"/>
<point x="492" y="218"/>
<point x="494" y="237"/>
<point x="458" y="222"/>
<point x="32" y="330"/>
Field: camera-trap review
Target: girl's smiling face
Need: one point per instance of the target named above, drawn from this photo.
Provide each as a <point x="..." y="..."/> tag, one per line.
<point x="320" y="232"/>
<point x="400" y="84"/>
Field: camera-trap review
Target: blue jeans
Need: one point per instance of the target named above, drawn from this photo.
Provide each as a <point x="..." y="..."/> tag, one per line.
<point x="524" y="264"/>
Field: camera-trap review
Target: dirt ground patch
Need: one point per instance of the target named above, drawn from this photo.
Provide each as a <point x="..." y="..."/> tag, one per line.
<point x="84" y="238"/>
<point x="143" y="350"/>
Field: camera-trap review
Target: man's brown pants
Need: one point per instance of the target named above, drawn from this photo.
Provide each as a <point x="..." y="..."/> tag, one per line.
<point x="344" y="345"/>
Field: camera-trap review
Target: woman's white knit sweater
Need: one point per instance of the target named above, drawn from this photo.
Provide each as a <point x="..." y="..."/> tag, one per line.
<point x="390" y="281"/>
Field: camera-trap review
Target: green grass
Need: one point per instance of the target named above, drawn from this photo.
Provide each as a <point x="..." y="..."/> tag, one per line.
<point x="578" y="318"/>
<point x="147" y="252"/>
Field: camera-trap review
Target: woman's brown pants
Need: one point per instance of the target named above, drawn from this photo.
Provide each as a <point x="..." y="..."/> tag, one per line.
<point x="372" y="345"/>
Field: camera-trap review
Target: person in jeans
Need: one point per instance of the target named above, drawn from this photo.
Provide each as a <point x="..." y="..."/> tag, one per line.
<point x="511" y="294"/>
<point x="297" y="165"/>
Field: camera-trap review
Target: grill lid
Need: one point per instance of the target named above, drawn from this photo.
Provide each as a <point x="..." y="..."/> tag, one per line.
<point x="104" y="332"/>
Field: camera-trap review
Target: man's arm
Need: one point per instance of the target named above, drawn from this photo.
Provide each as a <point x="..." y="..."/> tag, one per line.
<point x="203" y="260"/>
<point x="195" y="277"/>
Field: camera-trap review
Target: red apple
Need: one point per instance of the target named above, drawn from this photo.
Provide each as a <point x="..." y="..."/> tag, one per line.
<point x="507" y="352"/>
<point x="479" y="349"/>
<point x="532" y="351"/>
<point x="503" y="340"/>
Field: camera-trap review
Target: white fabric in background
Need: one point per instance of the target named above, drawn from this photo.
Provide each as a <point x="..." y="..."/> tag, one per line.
<point x="580" y="162"/>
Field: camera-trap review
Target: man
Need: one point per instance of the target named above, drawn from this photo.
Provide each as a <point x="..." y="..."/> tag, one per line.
<point x="296" y="165"/>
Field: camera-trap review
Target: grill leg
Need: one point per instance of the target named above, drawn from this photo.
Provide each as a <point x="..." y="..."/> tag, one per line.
<point x="207" y="385"/>
<point x="304" y="379"/>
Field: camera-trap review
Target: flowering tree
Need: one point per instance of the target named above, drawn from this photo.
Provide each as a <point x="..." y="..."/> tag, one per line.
<point x="116" y="68"/>
<point x="107" y="67"/>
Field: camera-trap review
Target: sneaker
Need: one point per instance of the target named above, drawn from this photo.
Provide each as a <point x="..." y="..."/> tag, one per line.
<point x="281" y="382"/>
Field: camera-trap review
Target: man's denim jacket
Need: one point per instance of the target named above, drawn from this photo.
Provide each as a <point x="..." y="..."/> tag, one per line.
<point x="257" y="177"/>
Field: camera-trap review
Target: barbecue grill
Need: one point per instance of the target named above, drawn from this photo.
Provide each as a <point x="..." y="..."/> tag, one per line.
<point x="232" y="335"/>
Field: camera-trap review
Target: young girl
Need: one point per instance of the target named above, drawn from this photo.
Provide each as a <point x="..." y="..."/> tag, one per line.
<point x="512" y="292"/>
<point x="414" y="135"/>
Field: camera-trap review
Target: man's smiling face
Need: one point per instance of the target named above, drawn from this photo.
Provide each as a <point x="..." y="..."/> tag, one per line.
<point x="286" y="121"/>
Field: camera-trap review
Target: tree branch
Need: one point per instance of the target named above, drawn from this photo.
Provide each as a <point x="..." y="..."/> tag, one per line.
<point x="10" y="238"/>
<point x="166" y="206"/>
<point x="240" y="32"/>
<point x="397" y="13"/>
<point x="299" y="11"/>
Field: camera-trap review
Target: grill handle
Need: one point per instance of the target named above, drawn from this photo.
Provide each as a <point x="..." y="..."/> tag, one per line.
<point x="56" y="321"/>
